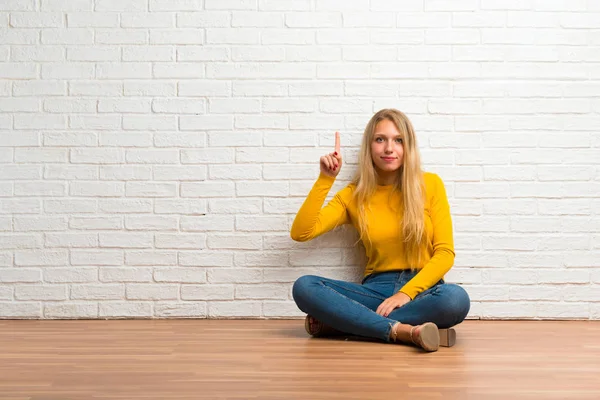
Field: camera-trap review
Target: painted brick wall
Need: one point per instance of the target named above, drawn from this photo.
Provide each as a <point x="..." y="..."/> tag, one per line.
<point x="153" y="153"/>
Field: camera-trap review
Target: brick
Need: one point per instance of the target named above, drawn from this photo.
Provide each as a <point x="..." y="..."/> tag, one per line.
<point x="68" y="240"/>
<point x="125" y="139"/>
<point x="79" y="310"/>
<point x="180" y="275"/>
<point x="205" y="259"/>
<point x="20" y="275"/>
<point x="175" y="5"/>
<point x="144" y="156"/>
<point x="177" y="36"/>
<point x="75" y="36"/>
<point x="181" y="173"/>
<point x="262" y="155"/>
<point x="128" y="274"/>
<point x="123" y="70"/>
<point x="234" y="241"/>
<point x="150" y="257"/>
<point x="264" y="88"/>
<point x="100" y="189"/>
<point x="20" y="172"/>
<point x="36" y="20"/>
<point x="222" y="139"/>
<point x="149" y="88"/>
<point x="97" y="156"/>
<point x="203" y="53"/>
<point x="297" y="53"/>
<point x="126" y="240"/>
<point x="95" y="88"/>
<point x="179" y="241"/>
<point x="29" y="310"/>
<point x="178" y="106"/>
<point x="180" y="206"/>
<point x="128" y="309"/>
<point x="231" y="4"/>
<point x="97" y="292"/>
<point x="70" y="275"/>
<point x="121" y="5"/>
<point x="234" y="275"/>
<point x="143" y="189"/>
<point x="121" y="36"/>
<point x="260" y="224"/>
<point x="268" y="292"/>
<point x="93" y="54"/>
<point x="235" y="206"/>
<point x="41" y="292"/>
<point x="261" y="259"/>
<point x="180" y="310"/>
<point x="206" y="223"/>
<point x="18" y="36"/>
<point x="313" y="20"/>
<point x="206" y="122"/>
<point x="148" y="20"/>
<point x="18" y="5"/>
<point x="178" y="70"/>
<point x="96" y="223"/>
<point x="36" y="258"/>
<point x="179" y="139"/>
<point x="62" y="5"/>
<point x="235" y="172"/>
<point x="126" y="105"/>
<point x="97" y="257"/>
<point x="204" y="19"/>
<point x="140" y="291"/>
<point x="93" y="20"/>
<point x="152" y="123"/>
<point x="234" y="309"/>
<point x="258" y="189"/>
<point x="207" y="292"/>
<point x="70" y="139"/>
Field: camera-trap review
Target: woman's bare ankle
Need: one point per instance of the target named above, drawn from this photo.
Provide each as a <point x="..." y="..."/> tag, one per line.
<point x="400" y="332"/>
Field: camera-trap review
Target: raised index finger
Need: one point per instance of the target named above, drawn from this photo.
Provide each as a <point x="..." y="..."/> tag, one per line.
<point x="337" y="142"/>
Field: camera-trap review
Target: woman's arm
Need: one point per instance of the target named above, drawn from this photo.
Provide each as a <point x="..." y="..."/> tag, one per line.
<point x="443" y="244"/>
<point x="312" y="220"/>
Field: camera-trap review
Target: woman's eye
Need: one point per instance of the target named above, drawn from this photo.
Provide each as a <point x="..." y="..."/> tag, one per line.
<point x="399" y="140"/>
<point x="379" y="140"/>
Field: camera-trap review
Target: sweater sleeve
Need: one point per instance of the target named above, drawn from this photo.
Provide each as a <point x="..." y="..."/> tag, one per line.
<point x="443" y="244"/>
<point x="312" y="220"/>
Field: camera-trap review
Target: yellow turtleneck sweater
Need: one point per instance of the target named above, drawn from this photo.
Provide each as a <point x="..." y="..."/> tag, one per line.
<point x="385" y="249"/>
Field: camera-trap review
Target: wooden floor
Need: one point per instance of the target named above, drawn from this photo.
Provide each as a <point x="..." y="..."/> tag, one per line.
<point x="261" y="359"/>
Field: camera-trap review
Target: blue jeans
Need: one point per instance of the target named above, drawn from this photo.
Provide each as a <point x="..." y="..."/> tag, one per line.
<point x="350" y="307"/>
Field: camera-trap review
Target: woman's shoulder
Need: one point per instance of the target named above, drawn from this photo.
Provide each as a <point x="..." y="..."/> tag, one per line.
<point x="433" y="182"/>
<point x="347" y="191"/>
<point x="432" y="178"/>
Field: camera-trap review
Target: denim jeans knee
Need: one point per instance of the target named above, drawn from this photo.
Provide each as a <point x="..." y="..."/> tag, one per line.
<point x="301" y="288"/>
<point x="457" y="302"/>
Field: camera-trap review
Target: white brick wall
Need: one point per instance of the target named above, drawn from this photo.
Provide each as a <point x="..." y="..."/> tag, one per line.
<point x="153" y="153"/>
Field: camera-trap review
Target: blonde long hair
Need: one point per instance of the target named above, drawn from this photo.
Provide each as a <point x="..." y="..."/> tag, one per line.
<point x="409" y="182"/>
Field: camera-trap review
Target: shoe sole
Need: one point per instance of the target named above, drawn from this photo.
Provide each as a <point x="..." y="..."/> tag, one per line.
<point x="307" y="327"/>
<point x="430" y="337"/>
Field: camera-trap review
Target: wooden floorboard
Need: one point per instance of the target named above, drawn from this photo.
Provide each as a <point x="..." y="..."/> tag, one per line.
<point x="274" y="359"/>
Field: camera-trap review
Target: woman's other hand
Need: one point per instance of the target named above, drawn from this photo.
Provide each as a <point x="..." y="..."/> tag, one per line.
<point x="331" y="163"/>
<point x="391" y="303"/>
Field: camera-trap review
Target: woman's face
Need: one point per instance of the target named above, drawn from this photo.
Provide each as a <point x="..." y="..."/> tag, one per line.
<point x="387" y="149"/>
